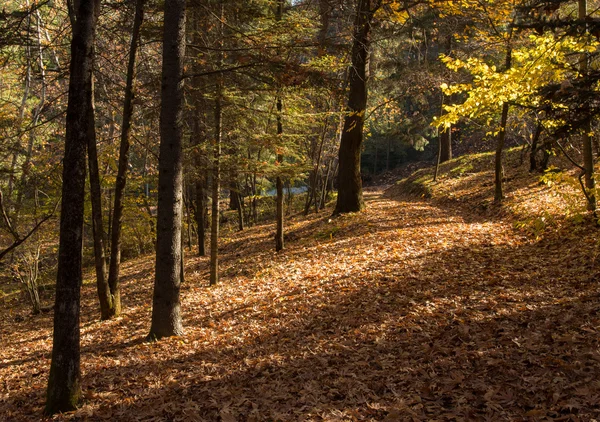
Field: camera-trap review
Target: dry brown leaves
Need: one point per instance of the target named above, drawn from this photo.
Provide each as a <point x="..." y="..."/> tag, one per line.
<point x="414" y="310"/>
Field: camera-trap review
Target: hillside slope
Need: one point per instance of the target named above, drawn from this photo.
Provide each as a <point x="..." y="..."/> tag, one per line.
<point x="418" y="309"/>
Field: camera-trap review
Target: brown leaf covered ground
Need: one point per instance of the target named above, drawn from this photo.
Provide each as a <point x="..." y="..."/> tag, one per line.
<point x="439" y="309"/>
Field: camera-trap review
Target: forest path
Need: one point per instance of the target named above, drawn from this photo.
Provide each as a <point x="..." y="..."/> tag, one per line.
<point x="412" y="310"/>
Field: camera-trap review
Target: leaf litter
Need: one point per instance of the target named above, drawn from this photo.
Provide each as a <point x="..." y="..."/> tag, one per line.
<point x="413" y="310"/>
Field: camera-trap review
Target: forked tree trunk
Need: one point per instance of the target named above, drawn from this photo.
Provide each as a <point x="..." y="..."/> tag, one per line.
<point x="121" y="181"/>
<point x="166" y="308"/>
<point x="350" y="198"/>
<point x="64" y="382"/>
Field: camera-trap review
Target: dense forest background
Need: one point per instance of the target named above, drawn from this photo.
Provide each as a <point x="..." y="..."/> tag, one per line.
<point x="140" y="126"/>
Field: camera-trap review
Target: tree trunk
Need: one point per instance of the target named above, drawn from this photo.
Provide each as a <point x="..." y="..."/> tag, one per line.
<point x="64" y="383"/>
<point x="106" y="303"/>
<point x="121" y="181"/>
<point x="535" y="146"/>
<point x="240" y="209"/>
<point x="446" y="145"/>
<point x="216" y="184"/>
<point x="279" y="180"/>
<point x="201" y="217"/>
<point x="498" y="191"/>
<point x="279" y="188"/>
<point x="166" y="308"/>
<point x="588" y="152"/>
<point x="350" y="198"/>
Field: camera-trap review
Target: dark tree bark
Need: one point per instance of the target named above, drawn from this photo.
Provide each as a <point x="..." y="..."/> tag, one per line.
<point x="498" y="188"/>
<point x="166" y="308"/>
<point x="446" y="145"/>
<point x="350" y="198"/>
<point x="216" y="186"/>
<point x="588" y="152"/>
<point x="121" y="181"/>
<point x="535" y="147"/>
<point x="106" y="302"/>
<point x="64" y="383"/>
<point x="216" y="169"/>
<point x="198" y="136"/>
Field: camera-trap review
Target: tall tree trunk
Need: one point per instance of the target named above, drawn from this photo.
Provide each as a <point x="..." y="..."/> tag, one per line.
<point x="279" y="180"/>
<point x="350" y="198"/>
<point x="198" y="136"/>
<point x="279" y="187"/>
<point x="216" y="185"/>
<point x="166" y="308"/>
<point x="588" y="152"/>
<point x="216" y="170"/>
<point x="106" y="302"/>
<point x="121" y="181"/>
<point x="64" y="383"/>
<point x="498" y="190"/>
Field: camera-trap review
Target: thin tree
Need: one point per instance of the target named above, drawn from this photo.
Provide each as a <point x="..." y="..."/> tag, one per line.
<point x="117" y="218"/>
<point x="216" y="168"/>
<point x="166" y="308"/>
<point x="588" y="154"/>
<point x="278" y="179"/>
<point x="64" y="383"/>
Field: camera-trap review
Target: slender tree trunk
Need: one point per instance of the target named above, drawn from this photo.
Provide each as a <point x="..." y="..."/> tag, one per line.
<point x="106" y="302"/>
<point x="121" y="181"/>
<point x="216" y="170"/>
<point x="279" y="188"/>
<point x="588" y="152"/>
<point x="166" y="307"/>
<point x="350" y="198"/>
<point x="198" y="136"/>
<point x="188" y="214"/>
<point x="279" y="181"/>
<point x="64" y="383"/>
<point x="439" y="159"/>
<point x="240" y="209"/>
<point x="498" y="191"/>
<point x="216" y="185"/>
<point x="201" y="217"/>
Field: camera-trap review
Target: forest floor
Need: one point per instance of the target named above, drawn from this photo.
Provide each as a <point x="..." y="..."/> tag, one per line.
<point x="433" y="304"/>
